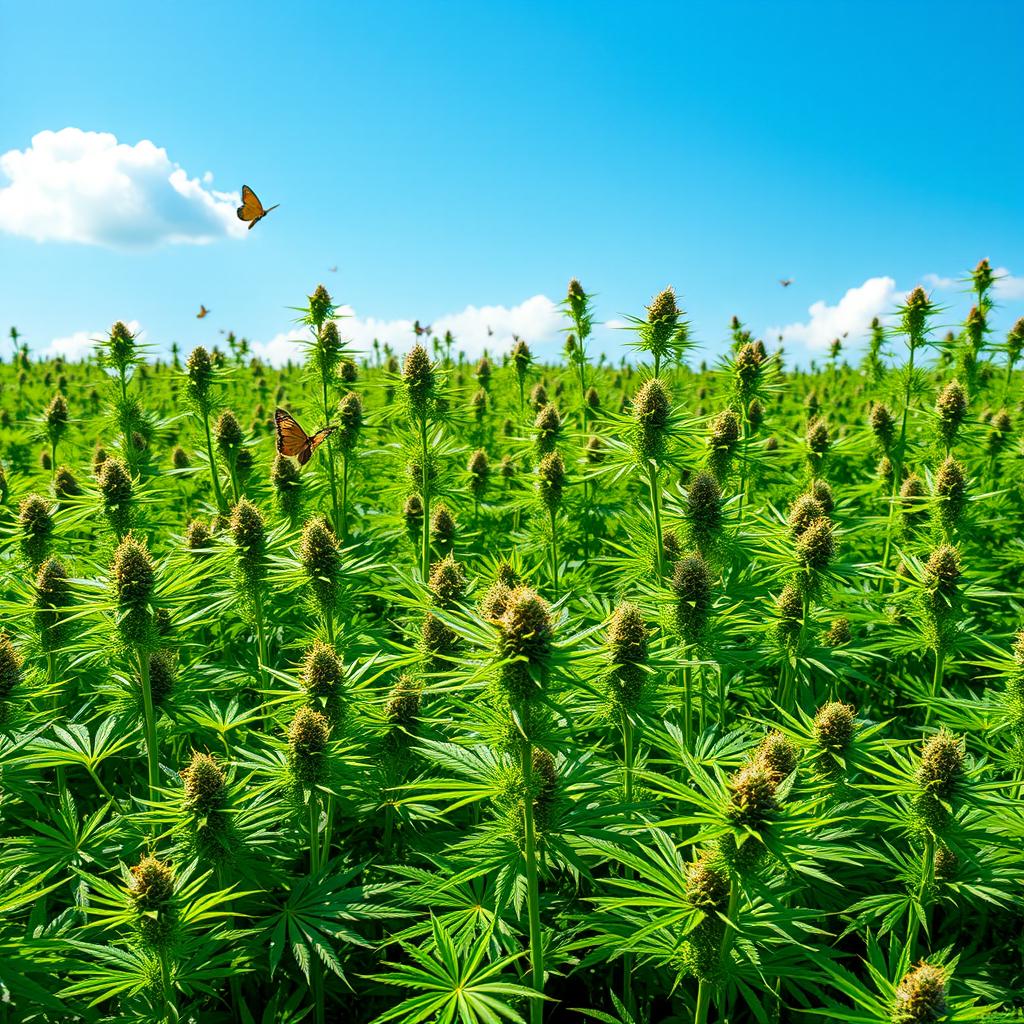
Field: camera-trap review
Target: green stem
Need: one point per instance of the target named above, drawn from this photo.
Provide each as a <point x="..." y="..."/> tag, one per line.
<point x="721" y="700"/>
<point x="152" y="755"/>
<point x="784" y="689"/>
<point x="314" y="834"/>
<point x="794" y="678"/>
<point x="554" y="555"/>
<point x="703" y="700"/>
<point x="389" y="827"/>
<point x="655" y="489"/>
<point x="727" y="935"/>
<point x="425" y="494"/>
<point x="583" y="394"/>
<point x="170" y="1014"/>
<point x="532" y="884"/>
<point x="221" y="506"/>
<point x="927" y="877"/>
<point x="900" y="453"/>
<point x="51" y="677"/>
<point x="628" y="758"/>
<point x="700" y="1015"/>
<point x="233" y="476"/>
<point x="336" y="520"/>
<point x="687" y="710"/>
<point x="328" y="829"/>
<point x="937" y="676"/>
<point x="261" y="638"/>
<point x="99" y="785"/>
<point x="743" y="466"/>
<point x="344" y="497"/>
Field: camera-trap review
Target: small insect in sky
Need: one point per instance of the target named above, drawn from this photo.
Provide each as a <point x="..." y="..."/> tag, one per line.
<point x="202" y="312"/>
<point x="252" y="209"/>
<point x="490" y="333"/>
<point x="333" y="269"/>
<point x="293" y="441"/>
<point x="785" y="281"/>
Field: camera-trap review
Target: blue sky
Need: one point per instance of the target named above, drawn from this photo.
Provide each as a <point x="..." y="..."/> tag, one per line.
<point x="455" y="155"/>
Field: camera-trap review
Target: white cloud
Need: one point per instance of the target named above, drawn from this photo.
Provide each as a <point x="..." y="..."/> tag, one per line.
<point x="852" y="315"/>
<point x="538" y="320"/>
<point x="281" y="347"/>
<point x="77" y="346"/>
<point x="1007" y="286"/>
<point x="86" y="187"/>
<point x="73" y="348"/>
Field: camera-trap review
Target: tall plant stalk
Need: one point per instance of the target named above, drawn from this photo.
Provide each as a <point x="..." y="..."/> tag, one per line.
<point x="654" y="487"/>
<point x="336" y="520"/>
<point x="344" y="497"/>
<point x="261" y="636"/>
<point x="214" y="475"/>
<point x="149" y="713"/>
<point x="937" y="677"/>
<point x="628" y="768"/>
<point x="553" y="519"/>
<point x="425" y="496"/>
<point x="532" y="883"/>
<point x="927" y="880"/>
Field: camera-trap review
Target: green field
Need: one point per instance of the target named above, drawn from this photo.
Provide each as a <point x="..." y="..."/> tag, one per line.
<point x="649" y="691"/>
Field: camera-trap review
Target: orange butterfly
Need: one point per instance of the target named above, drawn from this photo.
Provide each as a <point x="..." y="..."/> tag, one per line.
<point x="252" y="209"/>
<point x="202" y="312"/>
<point x="293" y="441"/>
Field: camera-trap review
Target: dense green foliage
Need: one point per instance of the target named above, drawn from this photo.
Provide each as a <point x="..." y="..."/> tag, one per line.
<point x="673" y="694"/>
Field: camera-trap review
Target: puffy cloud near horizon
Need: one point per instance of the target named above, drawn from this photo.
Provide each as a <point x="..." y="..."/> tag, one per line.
<point x="1006" y="286"/>
<point x="851" y="315"/>
<point x="537" y="319"/>
<point x="86" y="187"/>
<point x="939" y="283"/>
<point x="77" y="346"/>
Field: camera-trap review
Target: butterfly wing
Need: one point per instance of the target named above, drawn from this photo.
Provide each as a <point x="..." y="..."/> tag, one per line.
<point x="291" y="438"/>
<point x="319" y="437"/>
<point x="251" y="209"/>
<point x="314" y="442"/>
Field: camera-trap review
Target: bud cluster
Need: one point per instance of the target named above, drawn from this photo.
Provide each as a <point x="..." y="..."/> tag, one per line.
<point x="525" y="636"/>
<point x="627" y="655"/>
<point x="651" y="410"/>
<point x="321" y="561"/>
<point x="692" y="587"/>
<point x="722" y="441"/>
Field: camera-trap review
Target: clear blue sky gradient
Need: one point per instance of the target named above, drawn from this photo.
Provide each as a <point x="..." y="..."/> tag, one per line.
<point x="443" y="154"/>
